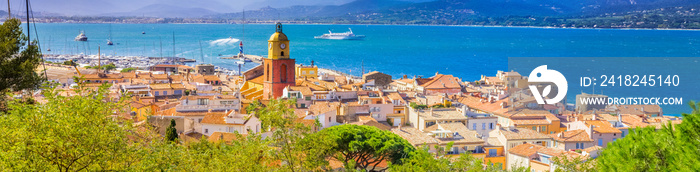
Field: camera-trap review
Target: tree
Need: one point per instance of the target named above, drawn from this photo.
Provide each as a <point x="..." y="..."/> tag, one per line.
<point x="108" y="67"/>
<point x="297" y="146"/>
<point x="70" y="63"/>
<point x="367" y="146"/>
<point x="65" y="134"/>
<point x="671" y="148"/>
<point x="171" y="132"/>
<point x="129" y="69"/>
<point x="86" y="133"/>
<point x="18" y="61"/>
<point x="575" y="164"/>
<point x="422" y="160"/>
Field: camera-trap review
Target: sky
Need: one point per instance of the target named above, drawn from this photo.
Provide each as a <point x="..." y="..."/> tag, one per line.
<point x="97" y="7"/>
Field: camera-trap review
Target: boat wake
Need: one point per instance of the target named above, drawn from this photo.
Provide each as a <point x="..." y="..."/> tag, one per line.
<point x="224" y="42"/>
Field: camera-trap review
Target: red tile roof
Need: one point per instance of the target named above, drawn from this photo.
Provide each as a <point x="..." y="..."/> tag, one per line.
<point x="525" y="150"/>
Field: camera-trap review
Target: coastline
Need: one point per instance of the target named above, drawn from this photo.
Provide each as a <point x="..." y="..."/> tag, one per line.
<point x="354" y="24"/>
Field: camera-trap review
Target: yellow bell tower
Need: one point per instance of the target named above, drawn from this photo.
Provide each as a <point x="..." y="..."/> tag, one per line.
<point x="279" y="68"/>
<point x="278" y="45"/>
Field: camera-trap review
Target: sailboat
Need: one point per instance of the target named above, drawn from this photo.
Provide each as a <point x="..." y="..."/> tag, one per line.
<point x="109" y="41"/>
<point x="49" y="49"/>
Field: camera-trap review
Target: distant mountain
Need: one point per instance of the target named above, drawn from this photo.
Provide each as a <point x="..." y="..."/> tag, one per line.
<point x="164" y="10"/>
<point x="454" y="9"/>
<point x="316" y="11"/>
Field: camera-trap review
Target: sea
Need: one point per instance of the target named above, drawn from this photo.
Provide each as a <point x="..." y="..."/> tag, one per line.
<point x="467" y="52"/>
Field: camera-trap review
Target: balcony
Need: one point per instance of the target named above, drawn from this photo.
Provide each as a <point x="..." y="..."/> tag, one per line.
<point x="191" y="108"/>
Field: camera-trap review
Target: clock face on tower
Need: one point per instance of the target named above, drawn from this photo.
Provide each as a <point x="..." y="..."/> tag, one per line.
<point x="283" y="46"/>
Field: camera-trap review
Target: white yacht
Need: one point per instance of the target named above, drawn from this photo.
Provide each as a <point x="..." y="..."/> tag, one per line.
<point x="81" y="37"/>
<point x="340" y="36"/>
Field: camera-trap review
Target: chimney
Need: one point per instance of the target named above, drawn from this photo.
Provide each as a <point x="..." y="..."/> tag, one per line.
<point x="312" y="63"/>
<point x="590" y="132"/>
<point x="619" y="117"/>
<point x="431" y="111"/>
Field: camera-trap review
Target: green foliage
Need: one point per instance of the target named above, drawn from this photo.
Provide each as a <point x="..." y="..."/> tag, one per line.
<point x="417" y="106"/>
<point x="438" y="106"/>
<point x="578" y="164"/>
<point x="422" y="160"/>
<point x="672" y="148"/>
<point x="365" y="146"/>
<point x="171" y="132"/>
<point x="250" y="153"/>
<point x="81" y="133"/>
<point x="298" y="147"/>
<point x="128" y="69"/>
<point x="65" y="134"/>
<point x="108" y="67"/>
<point x="70" y="63"/>
<point x="17" y="61"/>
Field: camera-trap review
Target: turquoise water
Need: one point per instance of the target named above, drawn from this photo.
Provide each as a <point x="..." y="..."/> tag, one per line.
<point x="466" y="52"/>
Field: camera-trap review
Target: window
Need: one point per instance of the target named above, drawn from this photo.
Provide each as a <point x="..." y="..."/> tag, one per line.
<point x="178" y="92"/>
<point x="491" y="126"/>
<point x="543" y="128"/>
<point x="579" y="145"/>
<point x="283" y="73"/>
<point x="600" y="142"/>
<point x="157" y="93"/>
<point x="282" y="53"/>
<point x="614" y="139"/>
<point x="311" y="72"/>
<point x="623" y="134"/>
<point x="202" y="101"/>
<point x="329" y="119"/>
<point x="474" y="126"/>
<point x="303" y="72"/>
<point x="303" y="105"/>
<point x="493" y="152"/>
<point x="534" y="128"/>
<point x="165" y="93"/>
<point x="483" y="126"/>
<point x="206" y="130"/>
<point x="308" y="97"/>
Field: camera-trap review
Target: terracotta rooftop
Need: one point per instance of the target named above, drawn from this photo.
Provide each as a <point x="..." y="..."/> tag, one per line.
<point x="215" y="118"/>
<point x="522" y="134"/>
<point x="323" y="107"/>
<point x="224" y="136"/>
<point x="441" y="114"/>
<point x="160" y="76"/>
<point x="525" y="150"/>
<point x="572" y="136"/>
<point x="551" y="151"/>
<point x="602" y="126"/>
<point x="414" y="136"/>
<point x="441" y="81"/>
<point x="468" y="136"/>
<point x="306" y="91"/>
<point x="372" y="122"/>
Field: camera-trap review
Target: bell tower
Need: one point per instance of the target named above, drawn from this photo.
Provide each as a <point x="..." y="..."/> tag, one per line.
<point x="279" y="68"/>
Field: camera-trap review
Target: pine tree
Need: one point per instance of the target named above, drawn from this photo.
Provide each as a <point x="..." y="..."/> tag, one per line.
<point x="171" y="132"/>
